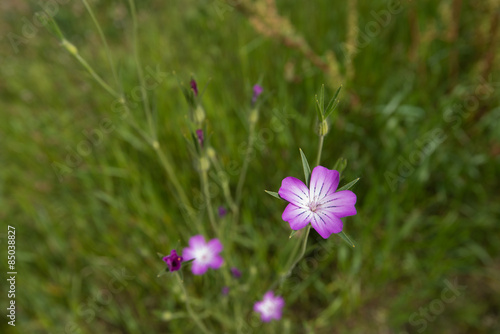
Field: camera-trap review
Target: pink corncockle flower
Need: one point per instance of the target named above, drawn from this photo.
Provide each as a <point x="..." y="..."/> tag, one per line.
<point x="201" y="137"/>
<point x="270" y="307"/>
<point x="205" y="255"/>
<point x="173" y="261"/>
<point x="257" y="90"/>
<point x="319" y="205"/>
<point x="194" y="87"/>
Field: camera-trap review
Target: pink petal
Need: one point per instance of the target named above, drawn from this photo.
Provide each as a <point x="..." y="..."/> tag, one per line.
<point x="188" y="254"/>
<point x="297" y="217"/>
<point x="323" y="182"/>
<point x="341" y="203"/>
<point x="215" y="245"/>
<point x="216" y="262"/>
<point x="198" y="268"/>
<point x="294" y="191"/>
<point x="197" y="241"/>
<point x="326" y="223"/>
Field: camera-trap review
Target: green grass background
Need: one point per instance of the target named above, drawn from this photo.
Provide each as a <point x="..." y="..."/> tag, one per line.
<point x="113" y="213"/>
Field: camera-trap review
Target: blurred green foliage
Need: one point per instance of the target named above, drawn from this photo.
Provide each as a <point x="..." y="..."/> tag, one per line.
<point x="87" y="244"/>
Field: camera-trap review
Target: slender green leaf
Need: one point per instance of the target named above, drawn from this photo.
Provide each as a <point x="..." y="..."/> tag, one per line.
<point x="274" y="194"/>
<point x="322" y="99"/>
<point x="346" y="238"/>
<point x="319" y="108"/>
<point x="292" y="234"/>
<point x="349" y="185"/>
<point x="333" y="103"/>
<point x="305" y="165"/>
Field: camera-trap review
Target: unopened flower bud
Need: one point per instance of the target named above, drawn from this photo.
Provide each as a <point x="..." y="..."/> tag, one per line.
<point x="323" y="128"/>
<point x="204" y="164"/>
<point x="199" y="114"/>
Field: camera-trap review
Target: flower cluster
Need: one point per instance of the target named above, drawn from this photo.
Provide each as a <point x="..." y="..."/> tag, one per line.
<point x="204" y="255"/>
<point x="317" y="202"/>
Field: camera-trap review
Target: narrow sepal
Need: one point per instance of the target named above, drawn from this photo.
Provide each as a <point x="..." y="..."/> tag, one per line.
<point x="349" y="185"/>
<point x="346" y="238"/>
<point x="274" y="194"/>
<point x="305" y="166"/>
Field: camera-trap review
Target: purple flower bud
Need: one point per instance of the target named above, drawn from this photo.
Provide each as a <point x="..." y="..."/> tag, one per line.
<point x="257" y="90"/>
<point x="194" y="87"/>
<point x="201" y="138"/>
<point x="173" y="261"/>
<point x="236" y="273"/>
<point x="222" y="211"/>
<point x="225" y="291"/>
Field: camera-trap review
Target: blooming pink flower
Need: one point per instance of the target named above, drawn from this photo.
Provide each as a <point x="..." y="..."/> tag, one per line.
<point x="319" y="205"/>
<point x="205" y="255"/>
<point x="173" y="261"/>
<point x="270" y="307"/>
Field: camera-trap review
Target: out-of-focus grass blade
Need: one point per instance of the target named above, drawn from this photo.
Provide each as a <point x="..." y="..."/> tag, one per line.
<point x="292" y="234"/>
<point x="333" y="103"/>
<point x="349" y="185"/>
<point x="305" y="165"/>
<point x="346" y="238"/>
<point x="274" y="194"/>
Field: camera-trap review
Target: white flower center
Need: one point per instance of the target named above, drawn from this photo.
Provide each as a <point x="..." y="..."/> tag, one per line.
<point x="202" y="254"/>
<point x="313" y="204"/>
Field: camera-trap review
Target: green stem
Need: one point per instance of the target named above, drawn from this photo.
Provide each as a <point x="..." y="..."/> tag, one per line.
<point x="145" y="99"/>
<point x="246" y="162"/>
<point x="183" y="199"/>
<point x="208" y="201"/>
<point x="320" y="149"/>
<point x="291" y="263"/>
<point x="103" y="38"/>
<point x="93" y="73"/>
<point x="188" y="306"/>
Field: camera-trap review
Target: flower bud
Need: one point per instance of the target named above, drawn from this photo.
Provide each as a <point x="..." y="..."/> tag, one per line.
<point x="199" y="114"/>
<point x="204" y="164"/>
<point x="323" y="128"/>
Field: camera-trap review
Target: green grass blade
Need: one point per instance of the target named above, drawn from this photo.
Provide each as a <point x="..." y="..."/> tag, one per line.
<point x="274" y="194"/>
<point x="305" y="165"/>
<point x="349" y="185"/>
<point x="346" y="238"/>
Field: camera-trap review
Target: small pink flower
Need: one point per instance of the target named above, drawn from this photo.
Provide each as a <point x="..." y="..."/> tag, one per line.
<point x="257" y="90"/>
<point x="270" y="307"/>
<point x="320" y="204"/>
<point x="205" y="255"/>
<point x="173" y="261"/>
